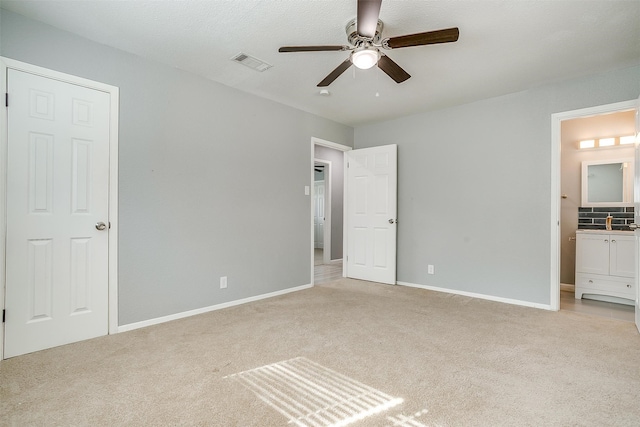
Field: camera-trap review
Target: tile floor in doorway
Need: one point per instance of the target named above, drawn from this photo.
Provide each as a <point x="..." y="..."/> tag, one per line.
<point x="596" y="308"/>
<point x="324" y="273"/>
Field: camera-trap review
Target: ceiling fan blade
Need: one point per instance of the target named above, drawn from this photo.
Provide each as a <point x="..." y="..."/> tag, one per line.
<point x="430" y="37"/>
<point x="312" y="48"/>
<point x="392" y="69"/>
<point x="368" y="13"/>
<point x="335" y="73"/>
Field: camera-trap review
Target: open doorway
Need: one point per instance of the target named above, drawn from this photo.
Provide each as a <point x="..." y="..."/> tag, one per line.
<point x="327" y="205"/>
<point x="322" y="211"/>
<point x="582" y="220"/>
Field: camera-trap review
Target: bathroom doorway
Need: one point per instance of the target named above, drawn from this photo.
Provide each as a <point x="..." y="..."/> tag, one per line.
<point x="604" y="125"/>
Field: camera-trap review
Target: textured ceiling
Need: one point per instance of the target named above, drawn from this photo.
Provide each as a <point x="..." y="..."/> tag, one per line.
<point x="505" y="46"/>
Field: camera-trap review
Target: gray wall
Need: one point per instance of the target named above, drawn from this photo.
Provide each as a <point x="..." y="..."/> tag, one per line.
<point x="205" y="171"/>
<point x="336" y="158"/>
<point x="474" y="186"/>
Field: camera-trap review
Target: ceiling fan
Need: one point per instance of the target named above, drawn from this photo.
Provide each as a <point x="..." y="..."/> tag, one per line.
<point x="365" y="38"/>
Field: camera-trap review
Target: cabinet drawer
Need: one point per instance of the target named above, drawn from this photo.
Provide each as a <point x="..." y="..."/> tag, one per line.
<point x="617" y="287"/>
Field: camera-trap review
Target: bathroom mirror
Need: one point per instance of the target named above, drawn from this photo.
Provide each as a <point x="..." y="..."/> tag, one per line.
<point x="607" y="182"/>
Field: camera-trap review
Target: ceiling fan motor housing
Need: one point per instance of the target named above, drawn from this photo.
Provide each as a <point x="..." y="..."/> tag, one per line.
<point x="356" y="40"/>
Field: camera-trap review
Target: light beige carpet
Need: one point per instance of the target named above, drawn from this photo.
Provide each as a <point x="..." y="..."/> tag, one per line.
<point x="390" y="355"/>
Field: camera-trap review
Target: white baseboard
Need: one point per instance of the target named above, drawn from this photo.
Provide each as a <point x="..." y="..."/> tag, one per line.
<point x="480" y="296"/>
<point x="163" y="319"/>
<point x="567" y="287"/>
<point x="336" y="261"/>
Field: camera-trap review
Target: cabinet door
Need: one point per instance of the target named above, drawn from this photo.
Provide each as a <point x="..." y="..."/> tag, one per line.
<point x="621" y="256"/>
<point x="592" y="253"/>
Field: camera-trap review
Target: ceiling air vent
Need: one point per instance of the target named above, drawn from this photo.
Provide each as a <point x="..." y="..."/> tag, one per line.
<point x="251" y="62"/>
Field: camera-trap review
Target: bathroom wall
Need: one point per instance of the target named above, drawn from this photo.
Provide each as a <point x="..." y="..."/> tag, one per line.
<point x="573" y="131"/>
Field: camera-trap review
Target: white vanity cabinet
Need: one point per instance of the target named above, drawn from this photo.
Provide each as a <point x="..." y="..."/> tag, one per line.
<point x="605" y="263"/>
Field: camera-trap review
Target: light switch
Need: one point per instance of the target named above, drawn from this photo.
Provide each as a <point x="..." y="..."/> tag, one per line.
<point x="307" y="190"/>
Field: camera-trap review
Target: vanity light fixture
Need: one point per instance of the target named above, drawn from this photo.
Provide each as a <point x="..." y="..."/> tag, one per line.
<point x="629" y="139"/>
<point x="615" y="141"/>
<point x="588" y="143"/>
<point x="606" y="142"/>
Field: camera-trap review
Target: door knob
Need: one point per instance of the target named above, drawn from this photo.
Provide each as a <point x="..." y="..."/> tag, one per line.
<point x="633" y="226"/>
<point x="391" y="221"/>
<point x="101" y="226"/>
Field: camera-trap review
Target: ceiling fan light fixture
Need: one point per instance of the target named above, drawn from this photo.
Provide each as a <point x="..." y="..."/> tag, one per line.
<point x="365" y="57"/>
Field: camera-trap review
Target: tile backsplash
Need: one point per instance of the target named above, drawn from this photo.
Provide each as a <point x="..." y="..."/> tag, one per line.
<point x="595" y="218"/>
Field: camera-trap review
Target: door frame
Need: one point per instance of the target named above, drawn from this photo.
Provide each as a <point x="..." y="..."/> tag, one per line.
<point x="5" y="65"/>
<point x="324" y="143"/>
<point x="556" y="146"/>
<point x="326" y="239"/>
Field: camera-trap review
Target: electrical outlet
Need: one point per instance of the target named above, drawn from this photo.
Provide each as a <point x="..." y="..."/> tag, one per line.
<point x="223" y="282"/>
<point x="431" y="269"/>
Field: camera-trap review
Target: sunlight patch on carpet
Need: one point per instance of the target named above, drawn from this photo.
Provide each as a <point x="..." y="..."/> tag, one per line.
<point x="310" y="395"/>
<point x="401" y="420"/>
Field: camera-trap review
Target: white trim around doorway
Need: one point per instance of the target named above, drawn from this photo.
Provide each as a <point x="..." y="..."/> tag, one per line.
<point x="556" y="139"/>
<point x="7" y="63"/>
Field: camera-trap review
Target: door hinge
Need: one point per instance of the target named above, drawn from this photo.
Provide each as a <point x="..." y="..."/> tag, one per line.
<point x="6" y="99"/>
<point x="4" y="315"/>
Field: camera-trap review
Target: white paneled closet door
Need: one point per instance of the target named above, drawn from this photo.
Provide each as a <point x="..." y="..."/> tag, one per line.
<point x="57" y="213"/>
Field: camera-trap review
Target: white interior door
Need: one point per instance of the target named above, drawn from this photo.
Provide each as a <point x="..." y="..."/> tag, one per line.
<point x="372" y="213"/>
<point x="57" y="195"/>
<point x="636" y="204"/>
<point x="318" y="217"/>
